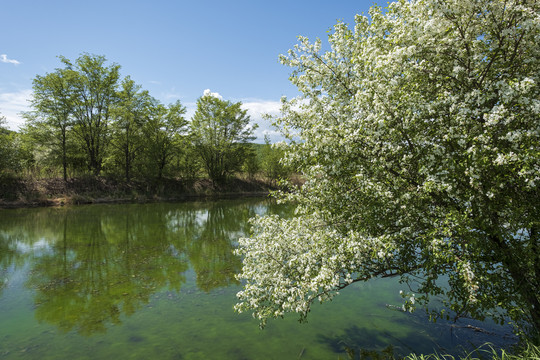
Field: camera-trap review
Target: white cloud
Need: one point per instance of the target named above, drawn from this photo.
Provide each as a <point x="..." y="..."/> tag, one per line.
<point x="207" y="92"/>
<point x="11" y="104"/>
<point x="4" y="59"/>
<point x="257" y="109"/>
<point x="260" y="107"/>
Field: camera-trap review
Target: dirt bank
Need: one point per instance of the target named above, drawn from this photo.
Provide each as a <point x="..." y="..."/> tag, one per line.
<point x="20" y="192"/>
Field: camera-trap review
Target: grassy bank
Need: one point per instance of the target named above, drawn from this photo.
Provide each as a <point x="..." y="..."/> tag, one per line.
<point x="24" y="192"/>
<point x="527" y="351"/>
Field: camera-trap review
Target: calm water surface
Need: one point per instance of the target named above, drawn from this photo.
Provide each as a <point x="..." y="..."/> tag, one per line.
<point x="156" y="281"/>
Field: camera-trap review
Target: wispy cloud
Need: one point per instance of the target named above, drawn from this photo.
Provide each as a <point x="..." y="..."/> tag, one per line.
<point x="4" y="59"/>
<point x="12" y="104"/>
<point x="171" y="96"/>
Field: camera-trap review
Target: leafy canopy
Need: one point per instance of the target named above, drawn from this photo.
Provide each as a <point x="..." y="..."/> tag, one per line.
<point x="221" y="131"/>
<point x="418" y="134"/>
<point x="95" y="93"/>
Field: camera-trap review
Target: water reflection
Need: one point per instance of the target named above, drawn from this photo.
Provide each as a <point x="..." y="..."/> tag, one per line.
<point x="8" y="256"/>
<point x="91" y="265"/>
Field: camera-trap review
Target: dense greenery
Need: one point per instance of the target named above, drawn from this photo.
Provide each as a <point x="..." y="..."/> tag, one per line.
<point x="5" y="147"/>
<point x="13" y="154"/>
<point x="86" y="119"/>
<point x="418" y="133"/>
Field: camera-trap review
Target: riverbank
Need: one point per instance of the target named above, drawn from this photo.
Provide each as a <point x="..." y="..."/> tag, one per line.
<point x="16" y="192"/>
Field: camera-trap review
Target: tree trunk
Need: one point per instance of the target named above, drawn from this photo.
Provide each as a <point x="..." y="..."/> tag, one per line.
<point x="64" y="154"/>
<point x="128" y="163"/>
<point x="525" y="286"/>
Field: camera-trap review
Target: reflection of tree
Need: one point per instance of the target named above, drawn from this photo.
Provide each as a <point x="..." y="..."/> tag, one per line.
<point x="12" y="251"/>
<point x="211" y="251"/>
<point x="105" y="265"/>
<point x="8" y="256"/>
<point x="91" y="265"/>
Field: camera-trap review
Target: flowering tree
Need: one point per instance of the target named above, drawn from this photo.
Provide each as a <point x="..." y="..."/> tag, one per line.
<point x="418" y="133"/>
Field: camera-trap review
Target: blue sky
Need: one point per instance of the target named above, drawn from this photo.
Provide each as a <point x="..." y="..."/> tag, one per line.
<point x="173" y="49"/>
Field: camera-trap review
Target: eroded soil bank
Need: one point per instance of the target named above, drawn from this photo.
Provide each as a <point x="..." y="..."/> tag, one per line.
<point x="20" y="192"/>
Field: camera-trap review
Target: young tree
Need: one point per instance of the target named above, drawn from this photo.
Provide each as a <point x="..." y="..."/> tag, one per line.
<point x="130" y="116"/>
<point x="271" y="161"/>
<point x="251" y="165"/>
<point x="419" y="139"/>
<point x="95" y="86"/>
<point x="163" y="131"/>
<point x="186" y="162"/>
<point x="220" y="131"/>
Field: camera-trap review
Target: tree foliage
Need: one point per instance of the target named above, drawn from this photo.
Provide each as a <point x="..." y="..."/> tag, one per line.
<point x="418" y="133"/>
<point x="4" y="145"/>
<point x="220" y="131"/>
<point x="86" y="111"/>
<point x="163" y="132"/>
<point x="271" y="161"/>
<point x="252" y="163"/>
<point x="50" y="121"/>
<point x="95" y="86"/>
<point x="130" y="114"/>
<point x="86" y="118"/>
<point x="13" y="155"/>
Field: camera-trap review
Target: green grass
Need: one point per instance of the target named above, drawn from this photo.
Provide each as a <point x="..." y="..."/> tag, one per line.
<point x="486" y="352"/>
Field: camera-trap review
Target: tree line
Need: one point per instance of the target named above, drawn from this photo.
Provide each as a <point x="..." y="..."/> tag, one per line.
<point x="86" y="119"/>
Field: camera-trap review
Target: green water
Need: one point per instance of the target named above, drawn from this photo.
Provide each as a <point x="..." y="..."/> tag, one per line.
<point x="156" y="281"/>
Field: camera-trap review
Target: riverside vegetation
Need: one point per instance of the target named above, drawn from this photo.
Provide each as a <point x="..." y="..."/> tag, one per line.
<point x="91" y="135"/>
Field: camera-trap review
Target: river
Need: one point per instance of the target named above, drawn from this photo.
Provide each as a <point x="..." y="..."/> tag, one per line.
<point x="156" y="281"/>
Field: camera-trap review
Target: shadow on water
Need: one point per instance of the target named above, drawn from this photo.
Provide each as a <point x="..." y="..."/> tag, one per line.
<point x="379" y="342"/>
<point x="360" y="342"/>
